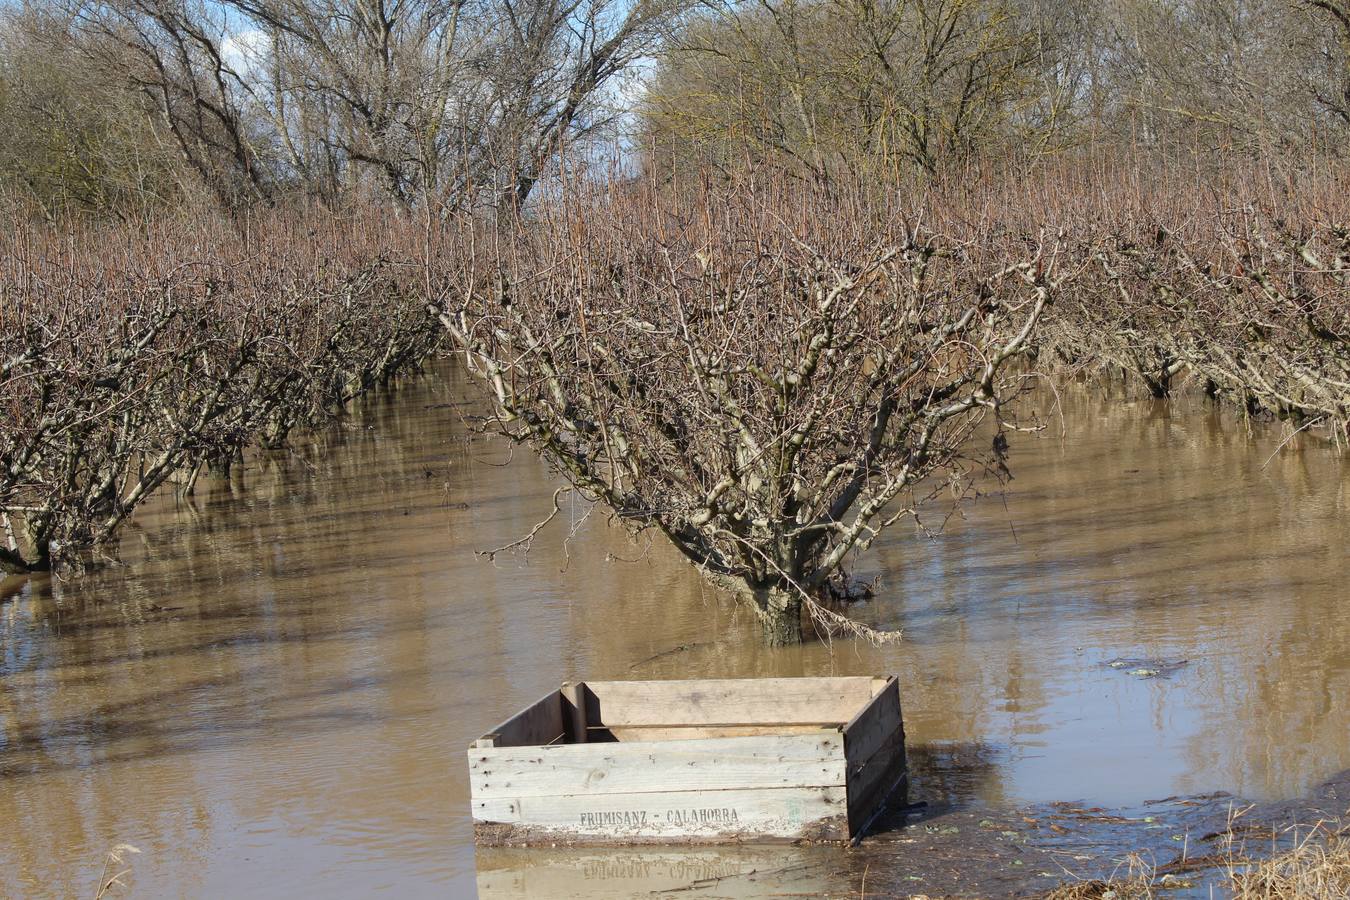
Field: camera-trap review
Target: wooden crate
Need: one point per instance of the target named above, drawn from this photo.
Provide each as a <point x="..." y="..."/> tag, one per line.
<point x="691" y="761"/>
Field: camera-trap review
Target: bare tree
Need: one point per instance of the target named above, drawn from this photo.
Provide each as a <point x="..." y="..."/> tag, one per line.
<point x="769" y="377"/>
<point x="174" y="54"/>
<point x="874" y="85"/>
<point x="843" y="84"/>
<point x="71" y="139"/>
<point x="452" y="102"/>
<point x="1330" y="81"/>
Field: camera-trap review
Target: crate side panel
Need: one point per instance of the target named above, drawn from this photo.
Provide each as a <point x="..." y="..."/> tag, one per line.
<point x="538" y="723"/>
<point x="875" y="781"/>
<point x="779" y="813"/>
<point x="874" y="724"/>
<point x="768" y="761"/>
<point x="648" y="733"/>
<point x="874" y="745"/>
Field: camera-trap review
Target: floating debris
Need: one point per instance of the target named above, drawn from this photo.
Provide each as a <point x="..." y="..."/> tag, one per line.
<point x="1147" y="667"/>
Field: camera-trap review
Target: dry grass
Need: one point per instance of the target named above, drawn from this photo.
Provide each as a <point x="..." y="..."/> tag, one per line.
<point x="115" y="867"/>
<point x="1317" y="866"/>
<point x="1097" y="889"/>
<point x="1305" y="862"/>
<point x="1134" y="880"/>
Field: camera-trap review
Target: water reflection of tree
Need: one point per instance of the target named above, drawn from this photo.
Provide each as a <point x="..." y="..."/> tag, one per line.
<point x="274" y="607"/>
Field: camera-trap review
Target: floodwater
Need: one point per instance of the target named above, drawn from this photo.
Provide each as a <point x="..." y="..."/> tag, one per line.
<point x="271" y="693"/>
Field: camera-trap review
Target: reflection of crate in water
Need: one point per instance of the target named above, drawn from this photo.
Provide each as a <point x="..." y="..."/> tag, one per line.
<point x="621" y="873"/>
<point x="691" y="761"/>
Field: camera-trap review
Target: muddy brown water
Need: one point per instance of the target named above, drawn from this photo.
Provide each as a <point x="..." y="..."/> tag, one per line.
<point x="271" y="693"/>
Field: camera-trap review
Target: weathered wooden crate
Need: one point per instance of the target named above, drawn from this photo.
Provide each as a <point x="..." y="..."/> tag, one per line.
<point x="691" y="761"/>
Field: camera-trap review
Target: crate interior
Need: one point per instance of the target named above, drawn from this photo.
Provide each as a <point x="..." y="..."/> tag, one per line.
<point x="627" y="711"/>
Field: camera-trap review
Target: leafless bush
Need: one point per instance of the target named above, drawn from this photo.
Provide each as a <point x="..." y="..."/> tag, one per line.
<point x="768" y="374"/>
<point x="771" y="373"/>
<point x="1229" y="274"/>
<point x="1242" y="288"/>
<point x="128" y="356"/>
<point x="1259" y="310"/>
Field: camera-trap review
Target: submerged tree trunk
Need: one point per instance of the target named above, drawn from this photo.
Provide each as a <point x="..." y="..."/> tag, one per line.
<point x="11" y="563"/>
<point x="780" y="612"/>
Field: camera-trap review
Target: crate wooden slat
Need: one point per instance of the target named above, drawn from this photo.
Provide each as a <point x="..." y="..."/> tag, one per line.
<point x="691" y="761"/>
<point x="742" y="701"/>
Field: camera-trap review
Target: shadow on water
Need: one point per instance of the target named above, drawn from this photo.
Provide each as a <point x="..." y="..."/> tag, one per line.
<point x="944" y="777"/>
<point x="234" y="626"/>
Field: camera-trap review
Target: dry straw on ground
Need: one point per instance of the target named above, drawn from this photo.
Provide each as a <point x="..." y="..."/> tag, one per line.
<point x="1306" y="862"/>
<point x="1316" y="866"/>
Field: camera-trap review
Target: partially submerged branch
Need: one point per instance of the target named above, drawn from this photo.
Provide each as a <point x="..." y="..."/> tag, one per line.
<point x="523" y="544"/>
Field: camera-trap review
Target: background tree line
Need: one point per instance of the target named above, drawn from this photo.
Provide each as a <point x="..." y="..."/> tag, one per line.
<point x="903" y="85"/>
<point x="120" y="106"/>
<point x="117" y="105"/>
